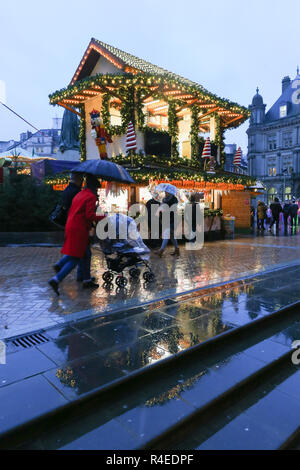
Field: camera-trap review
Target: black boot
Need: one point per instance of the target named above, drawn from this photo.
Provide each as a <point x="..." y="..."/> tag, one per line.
<point x="56" y="268"/>
<point x="90" y="284"/>
<point x="54" y="285"/>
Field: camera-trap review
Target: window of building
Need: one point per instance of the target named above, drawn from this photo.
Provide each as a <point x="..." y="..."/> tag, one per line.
<point x="272" y="144"/>
<point x="288" y="193"/>
<point x="283" y="111"/>
<point x="272" y="193"/>
<point x="272" y="171"/>
<point x="287" y="140"/>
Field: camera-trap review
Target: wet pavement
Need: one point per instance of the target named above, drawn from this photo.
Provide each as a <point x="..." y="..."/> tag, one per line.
<point x="28" y="304"/>
<point x="94" y="353"/>
<point x="85" y="352"/>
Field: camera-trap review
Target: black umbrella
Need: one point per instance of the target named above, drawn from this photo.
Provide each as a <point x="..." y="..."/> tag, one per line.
<point x="104" y="169"/>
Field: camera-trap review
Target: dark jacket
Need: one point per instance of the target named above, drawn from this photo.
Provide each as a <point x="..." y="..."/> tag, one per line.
<point x="173" y="201"/>
<point x="261" y="211"/>
<point x="152" y="205"/>
<point x="293" y="210"/>
<point x="276" y="209"/>
<point x="68" y="194"/>
<point x="286" y="209"/>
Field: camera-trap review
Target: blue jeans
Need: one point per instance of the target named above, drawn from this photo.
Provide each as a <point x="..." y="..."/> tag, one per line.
<point x="84" y="266"/>
<point x="169" y="236"/>
<point x="66" y="265"/>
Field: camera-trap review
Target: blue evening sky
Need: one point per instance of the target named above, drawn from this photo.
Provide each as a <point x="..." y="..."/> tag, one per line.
<point x="230" y="47"/>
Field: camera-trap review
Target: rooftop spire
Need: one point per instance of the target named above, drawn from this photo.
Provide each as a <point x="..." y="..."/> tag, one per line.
<point x="257" y="90"/>
<point x="297" y="69"/>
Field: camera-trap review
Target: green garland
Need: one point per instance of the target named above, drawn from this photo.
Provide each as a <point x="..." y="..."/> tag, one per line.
<point x="173" y="128"/>
<point x="195" y="132"/>
<point x="82" y="135"/>
<point x="139" y="109"/>
<point x="144" y="160"/>
<point x="212" y="212"/>
<point x="127" y="108"/>
<point x="219" y="140"/>
<point x="143" y="175"/>
<point x="125" y="81"/>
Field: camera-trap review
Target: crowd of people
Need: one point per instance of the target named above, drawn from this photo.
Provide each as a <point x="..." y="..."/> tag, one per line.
<point x="277" y="214"/>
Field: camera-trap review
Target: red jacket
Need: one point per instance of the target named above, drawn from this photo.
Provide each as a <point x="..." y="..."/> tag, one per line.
<point x="81" y="215"/>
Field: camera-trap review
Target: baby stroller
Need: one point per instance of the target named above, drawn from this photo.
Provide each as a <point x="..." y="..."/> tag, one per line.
<point x="124" y="248"/>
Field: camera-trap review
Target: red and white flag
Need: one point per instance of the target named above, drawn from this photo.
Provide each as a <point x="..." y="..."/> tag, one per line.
<point x="238" y="157"/>
<point x="130" y="138"/>
<point x="206" y="153"/>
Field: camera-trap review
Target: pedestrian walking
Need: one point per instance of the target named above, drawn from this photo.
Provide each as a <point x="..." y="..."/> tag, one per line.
<point x="252" y="215"/>
<point x="84" y="266"/>
<point x="261" y="215"/>
<point x="191" y="218"/>
<point x="293" y="212"/>
<point x="276" y="209"/>
<point x="286" y="214"/>
<point x="269" y="216"/>
<point x="170" y="201"/>
<point x="154" y="230"/>
<point x="81" y="216"/>
<point x="73" y="188"/>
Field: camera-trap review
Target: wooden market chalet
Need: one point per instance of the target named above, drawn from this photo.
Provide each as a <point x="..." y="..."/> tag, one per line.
<point x="169" y="113"/>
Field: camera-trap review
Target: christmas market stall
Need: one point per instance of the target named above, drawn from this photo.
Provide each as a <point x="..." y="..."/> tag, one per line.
<point x="160" y="126"/>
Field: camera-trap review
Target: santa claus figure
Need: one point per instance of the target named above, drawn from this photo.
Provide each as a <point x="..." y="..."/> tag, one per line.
<point x="211" y="164"/>
<point x="99" y="133"/>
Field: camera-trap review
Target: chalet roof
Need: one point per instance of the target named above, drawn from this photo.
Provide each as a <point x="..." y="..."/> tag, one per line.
<point x="139" y="72"/>
<point x="141" y="64"/>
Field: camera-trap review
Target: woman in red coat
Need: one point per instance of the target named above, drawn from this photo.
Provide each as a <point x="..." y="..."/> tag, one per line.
<point x="81" y="216"/>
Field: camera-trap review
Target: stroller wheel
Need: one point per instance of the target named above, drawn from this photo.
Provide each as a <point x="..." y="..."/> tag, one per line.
<point x="108" y="286"/>
<point x="121" y="290"/>
<point x="148" y="276"/>
<point x="134" y="272"/>
<point x="107" y="276"/>
<point x="121" y="281"/>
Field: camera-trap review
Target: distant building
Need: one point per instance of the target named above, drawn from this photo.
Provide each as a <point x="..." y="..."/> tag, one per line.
<point x="274" y="142"/>
<point x="7" y="144"/>
<point x="43" y="143"/>
<point x="230" y="151"/>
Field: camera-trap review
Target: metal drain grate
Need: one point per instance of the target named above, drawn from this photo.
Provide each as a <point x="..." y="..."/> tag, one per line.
<point x="30" y="340"/>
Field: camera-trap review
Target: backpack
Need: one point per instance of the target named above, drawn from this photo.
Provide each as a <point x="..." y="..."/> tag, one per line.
<point x="59" y="216"/>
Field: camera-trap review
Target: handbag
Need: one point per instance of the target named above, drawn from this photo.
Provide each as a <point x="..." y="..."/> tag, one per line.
<point x="59" y="216"/>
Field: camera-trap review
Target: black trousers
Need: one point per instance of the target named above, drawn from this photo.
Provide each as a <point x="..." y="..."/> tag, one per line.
<point x="293" y="220"/>
<point x="275" y="221"/>
<point x="260" y="224"/>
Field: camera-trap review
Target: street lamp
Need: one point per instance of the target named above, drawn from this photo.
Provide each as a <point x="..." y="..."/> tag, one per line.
<point x="284" y="171"/>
